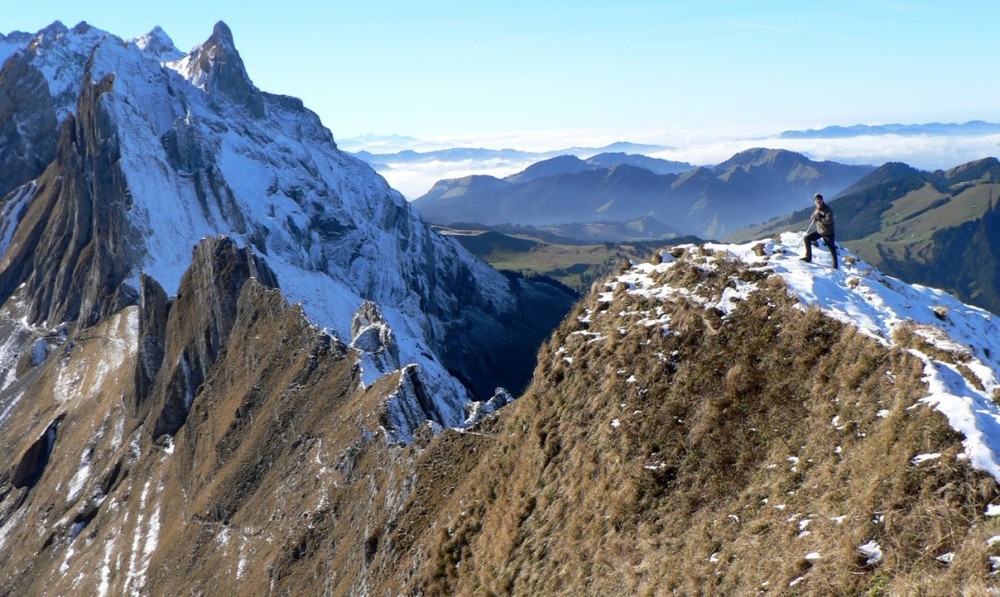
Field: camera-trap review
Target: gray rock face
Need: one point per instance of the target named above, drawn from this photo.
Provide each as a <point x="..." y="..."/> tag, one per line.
<point x="31" y="465"/>
<point x="370" y="332"/>
<point x="154" y="308"/>
<point x="73" y="246"/>
<point x="28" y="126"/>
<point x="224" y="72"/>
<point x="153" y="156"/>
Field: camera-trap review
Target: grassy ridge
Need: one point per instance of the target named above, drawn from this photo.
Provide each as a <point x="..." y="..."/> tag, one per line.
<point x="574" y="264"/>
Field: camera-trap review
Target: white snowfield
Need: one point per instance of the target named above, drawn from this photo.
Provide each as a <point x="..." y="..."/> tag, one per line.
<point x="858" y="294"/>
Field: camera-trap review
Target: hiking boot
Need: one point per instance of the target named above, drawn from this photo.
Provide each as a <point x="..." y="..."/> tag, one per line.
<point x="806" y="259"/>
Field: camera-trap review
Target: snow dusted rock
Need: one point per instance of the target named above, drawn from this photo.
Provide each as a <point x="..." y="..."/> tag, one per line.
<point x="372" y="336"/>
<point x="28" y="125"/>
<point x="157" y="43"/>
<point x="186" y="416"/>
<point x="410" y="405"/>
<point x="216" y="67"/>
<point x="477" y="411"/>
<point x="159" y="149"/>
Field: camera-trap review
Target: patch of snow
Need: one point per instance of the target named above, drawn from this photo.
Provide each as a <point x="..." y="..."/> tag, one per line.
<point x="116" y="438"/>
<point x="144" y="541"/>
<point x="104" y="586"/>
<point x="873" y="551"/>
<point x="39" y="352"/>
<point x="920" y="458"/>
<point x="10" y="406"/>
<point x="946" y="558"/>
<point x="13" y="210"/>
<point x="993" y="510"/>
<point x="11" y="523"/>
<point x="813" y="556"/>
<point x="64" y="567"/>
<point x="80" y="476"/>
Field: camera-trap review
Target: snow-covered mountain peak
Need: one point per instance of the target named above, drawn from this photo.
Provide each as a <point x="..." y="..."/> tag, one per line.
<point x="216" y="67"/>
<point x="959" y="344"/>
<point x="170" y="152"/>
<point x="158" y="44"/>
<point x="53" y="30"/>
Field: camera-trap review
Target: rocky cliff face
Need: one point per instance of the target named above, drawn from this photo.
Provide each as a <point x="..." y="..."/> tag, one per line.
<point x="158" y="150"/>
<point x="27" y="140"/>
<point x="151" y="393"/>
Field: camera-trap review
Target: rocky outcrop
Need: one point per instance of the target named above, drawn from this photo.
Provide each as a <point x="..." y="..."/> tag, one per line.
<point x="154" y="307"/>
<point x="74" y="245"/>
<point x="198" y="326"/>
<point x="32" y="463"/>
<point x="220" y="69"/>
<point x="374" y="338"/>
<point x="28" y="126"/>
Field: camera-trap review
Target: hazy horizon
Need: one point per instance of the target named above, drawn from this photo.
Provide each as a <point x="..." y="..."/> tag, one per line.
<point x="699" y="147"/>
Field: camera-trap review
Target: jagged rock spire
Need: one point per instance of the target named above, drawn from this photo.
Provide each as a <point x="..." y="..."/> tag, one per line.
<point x="218" y="66"/>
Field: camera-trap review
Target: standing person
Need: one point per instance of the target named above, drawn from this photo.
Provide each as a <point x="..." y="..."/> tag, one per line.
<point x="823" y="218"/>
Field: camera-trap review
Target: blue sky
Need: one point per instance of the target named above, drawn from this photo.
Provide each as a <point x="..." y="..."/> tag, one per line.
<point x="633" y="69"/>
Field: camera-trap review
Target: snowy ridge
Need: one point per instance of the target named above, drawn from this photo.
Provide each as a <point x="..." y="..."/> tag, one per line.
<point x="200" y="161"/>
<point x="878" y="305"/>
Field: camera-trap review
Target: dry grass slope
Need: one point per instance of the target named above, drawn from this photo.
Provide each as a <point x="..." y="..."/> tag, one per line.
<point x="662" y="448"/>
<point x="738" y="457"/>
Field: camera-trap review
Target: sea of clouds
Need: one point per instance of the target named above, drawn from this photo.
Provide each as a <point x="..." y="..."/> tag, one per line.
<point x="698" y="147"/>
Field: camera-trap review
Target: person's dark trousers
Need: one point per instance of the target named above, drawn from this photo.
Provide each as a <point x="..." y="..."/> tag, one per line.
<point x="813" y="237"/>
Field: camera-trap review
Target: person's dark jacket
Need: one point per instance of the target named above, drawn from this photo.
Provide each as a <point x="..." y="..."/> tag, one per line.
<point x="823" y="216"/>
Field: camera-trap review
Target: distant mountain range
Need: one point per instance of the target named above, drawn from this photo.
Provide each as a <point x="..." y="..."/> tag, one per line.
<point x="752" y="186"/>
<point x="934" y="228"/>
<point x="973" y="127"/>
<point x="454" y="154"/>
